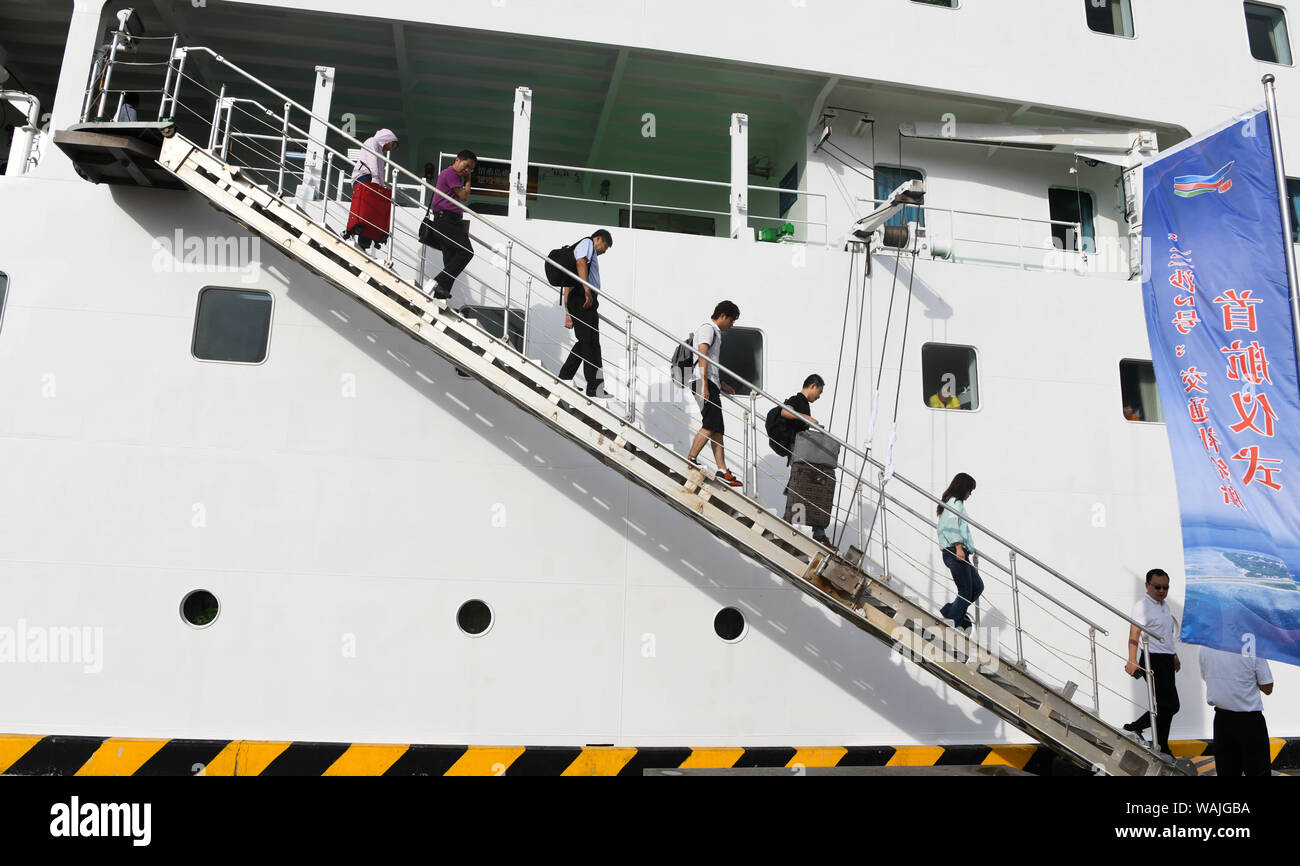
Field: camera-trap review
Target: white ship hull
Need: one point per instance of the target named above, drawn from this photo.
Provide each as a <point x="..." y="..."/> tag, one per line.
<point x="345" y="497"/>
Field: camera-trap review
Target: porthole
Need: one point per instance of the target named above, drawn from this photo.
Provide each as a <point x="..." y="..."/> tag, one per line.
<point x="730" y="624"/>
<point x="474" y="618"/>
<point x="200" y="608"/>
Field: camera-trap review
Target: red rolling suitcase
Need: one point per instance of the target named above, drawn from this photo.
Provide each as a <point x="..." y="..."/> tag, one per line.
<point x="370" y="212"/>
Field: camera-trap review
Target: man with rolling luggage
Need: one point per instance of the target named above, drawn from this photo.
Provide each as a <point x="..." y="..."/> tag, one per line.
<point x="813" y="456"/>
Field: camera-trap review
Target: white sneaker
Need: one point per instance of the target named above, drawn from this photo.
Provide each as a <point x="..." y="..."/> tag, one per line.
<point x="600" y="393"/>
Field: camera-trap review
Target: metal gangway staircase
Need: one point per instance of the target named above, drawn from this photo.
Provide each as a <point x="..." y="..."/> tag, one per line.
<point x="851" y="586"/>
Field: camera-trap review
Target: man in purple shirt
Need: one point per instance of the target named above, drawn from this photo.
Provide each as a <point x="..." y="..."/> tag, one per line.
<point x="450" y="228"/>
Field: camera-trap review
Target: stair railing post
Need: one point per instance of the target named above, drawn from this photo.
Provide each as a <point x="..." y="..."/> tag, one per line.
<point x="861" y="508"/>
<point x="180" y="76"/>
<point x="1096" y="687"/>
<point x="884" y="527"/>
<point x="630" y="412"/>
<point x="225" y="134"/>
<point x="744" y="460"/>
<point x="1145" y="645"/>
<point x="167" y="82"/>
<point x="1015" y="609"/>
<point x="88" y="101"/>
<point x="631" y="383"/>
<point x="505" y="319"/>
<point x="528" y="306"/>
<point x="392" y="208"/>
<point x="108" y="76"/>
<point x="752" y="465"/>
<point x="325" y="199"/>
<point x="216" y="119"/>
<point x="284" y="151"/>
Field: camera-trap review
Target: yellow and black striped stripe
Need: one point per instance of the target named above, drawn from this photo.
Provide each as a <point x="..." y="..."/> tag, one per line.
<point x="118" y="756"/>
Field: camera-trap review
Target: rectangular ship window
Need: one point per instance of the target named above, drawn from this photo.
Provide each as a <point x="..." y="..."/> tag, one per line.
<point x="1114" y="17"/>
<point x="949" y="4"/>
<point x="4" y="293"/>
<point x="742" y="351"/>
<point x="1266" y="29"/>
<point x="890" y="178"/>
<point x="1071" y="206"/>
<point x="1137" y="387"/>
<point x="949" y="376"/>
<point x="232" y="325"/>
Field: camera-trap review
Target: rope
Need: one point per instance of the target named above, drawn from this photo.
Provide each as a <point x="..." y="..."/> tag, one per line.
<point x="853" y="394"/>
<point x="898" y="389"/>
<point x="902" y="350"/>
<point x="844" y="330"/>
<point x="844" y="163"/>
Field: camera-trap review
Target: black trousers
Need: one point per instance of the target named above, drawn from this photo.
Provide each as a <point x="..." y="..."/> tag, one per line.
<point x="1162" y="669"/>
<point x="586" y="330"/>
<point x="1240" y="743"/>
<point x="453" y="240"/>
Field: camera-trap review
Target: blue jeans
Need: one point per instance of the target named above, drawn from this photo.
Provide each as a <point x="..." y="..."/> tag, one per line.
<point x="969" y="585"/>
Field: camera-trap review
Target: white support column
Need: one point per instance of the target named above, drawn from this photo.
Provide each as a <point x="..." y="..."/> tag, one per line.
<point x="314" y="167"/>
<point x="740" y="177"/>
<point x="519" y="153"/>
<point x="20" y="149"/>
<point x="78" y="54"/>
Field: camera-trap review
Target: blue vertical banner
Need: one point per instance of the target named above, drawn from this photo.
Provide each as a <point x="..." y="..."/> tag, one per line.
<point x="1219" y="319"/>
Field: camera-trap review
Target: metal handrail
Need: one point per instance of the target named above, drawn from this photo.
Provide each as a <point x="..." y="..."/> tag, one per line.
<point x="591" y="170"/>
<point x="636" y="175"/>
<point x="1077" y="227"/>
<point x="655" y="327"/>
<point x="978" y="213"/>
<point x="934" y="524"/>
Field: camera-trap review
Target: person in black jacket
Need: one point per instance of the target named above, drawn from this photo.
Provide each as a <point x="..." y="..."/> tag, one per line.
<point x="808" y="484"/>
<point x="802" y="404"/>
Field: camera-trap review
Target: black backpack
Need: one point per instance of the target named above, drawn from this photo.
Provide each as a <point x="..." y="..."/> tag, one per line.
<point x="780" y="432"/>
<point x="564" y="257"/>
<point x="684" y="359"/>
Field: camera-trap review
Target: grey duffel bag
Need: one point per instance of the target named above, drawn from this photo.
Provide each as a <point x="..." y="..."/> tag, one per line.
<point x="815" y="447"/>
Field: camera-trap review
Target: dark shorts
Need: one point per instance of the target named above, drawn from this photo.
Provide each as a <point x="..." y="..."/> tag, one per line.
<point x="712" y="408"/>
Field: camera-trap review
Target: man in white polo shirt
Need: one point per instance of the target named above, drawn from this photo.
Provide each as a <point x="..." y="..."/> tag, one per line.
<point x="1152" y="611"/>
<point x="1233" y="685"/>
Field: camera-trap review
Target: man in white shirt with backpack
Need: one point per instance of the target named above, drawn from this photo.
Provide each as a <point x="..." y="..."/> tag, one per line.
<point x="580" y="304"/>
<point x="708" y="340"/>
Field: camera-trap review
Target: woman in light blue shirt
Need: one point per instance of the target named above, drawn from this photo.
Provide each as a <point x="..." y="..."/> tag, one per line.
<point x="954" y="538"/>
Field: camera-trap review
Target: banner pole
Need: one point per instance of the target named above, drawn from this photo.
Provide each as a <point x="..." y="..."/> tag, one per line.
<point x="1270" y="100"/>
